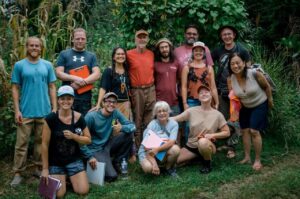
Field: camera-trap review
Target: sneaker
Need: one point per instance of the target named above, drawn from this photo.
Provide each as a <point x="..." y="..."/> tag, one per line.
<point x="172" y="172"/>
<point x="16" y="181"/>
<point x="206" y="167"/>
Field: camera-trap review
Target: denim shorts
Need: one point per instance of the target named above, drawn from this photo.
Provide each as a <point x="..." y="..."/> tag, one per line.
<point x="69" y="169"/>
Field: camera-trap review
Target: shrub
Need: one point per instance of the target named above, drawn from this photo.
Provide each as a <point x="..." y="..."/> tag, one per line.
<point x="284" y="118"/>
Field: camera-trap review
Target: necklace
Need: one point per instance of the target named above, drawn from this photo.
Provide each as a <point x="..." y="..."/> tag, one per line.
<point x="123" y="84"/>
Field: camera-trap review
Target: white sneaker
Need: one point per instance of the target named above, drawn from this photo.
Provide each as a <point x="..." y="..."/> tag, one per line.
<point x="16" y="181"/>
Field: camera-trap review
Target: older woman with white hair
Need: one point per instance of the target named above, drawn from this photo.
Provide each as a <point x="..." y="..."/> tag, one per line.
<point x="167" y="129"/>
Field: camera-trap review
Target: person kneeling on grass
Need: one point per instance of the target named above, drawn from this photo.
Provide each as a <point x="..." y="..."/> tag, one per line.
<point x="207" y="125"/>
<point x="63" y="133"/>
<point x="167" y="129"/>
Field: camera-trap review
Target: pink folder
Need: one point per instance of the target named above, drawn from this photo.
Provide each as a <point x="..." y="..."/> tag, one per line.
<point x="152" y="141"/>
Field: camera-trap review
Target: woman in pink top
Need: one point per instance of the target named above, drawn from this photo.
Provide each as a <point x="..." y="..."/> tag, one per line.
<point x="255" y="94"/>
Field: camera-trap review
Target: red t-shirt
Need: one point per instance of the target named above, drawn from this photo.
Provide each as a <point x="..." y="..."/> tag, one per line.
<point x="166" y="75"/>
<point x="141" y="67"/>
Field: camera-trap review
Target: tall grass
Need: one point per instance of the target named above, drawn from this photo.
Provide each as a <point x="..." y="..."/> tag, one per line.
<point x="284" y="118"/>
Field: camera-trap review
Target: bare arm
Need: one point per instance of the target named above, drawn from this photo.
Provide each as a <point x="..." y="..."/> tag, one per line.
<point x="65" y="76"/>
<point x="167" y="144"/>
<point x="16" y="97"/>
<point x="52" y="94"/>
<point x="184" y="76"/>
<point x="101" y="94"/>
<point x="94" y="76"/>
<point x="213" y="87"/>
<point x="266" y="87"/>
<point x="224" y="133"/>
<point x="46" y="135"/>
<point x="85" y="138"/>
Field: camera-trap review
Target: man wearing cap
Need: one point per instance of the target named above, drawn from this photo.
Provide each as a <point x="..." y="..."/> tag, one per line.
<point x="228" y="35"/>
<point x="111" y="136"/>
<point x="74" y="58"/>
<point x="141" y="74"/>
<point x="33" y="88"/>
<point x="166" y="74"/>
<point x="183" y="53"/>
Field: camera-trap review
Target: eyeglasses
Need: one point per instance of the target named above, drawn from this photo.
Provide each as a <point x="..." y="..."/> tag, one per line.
<point x="111" y="101"/>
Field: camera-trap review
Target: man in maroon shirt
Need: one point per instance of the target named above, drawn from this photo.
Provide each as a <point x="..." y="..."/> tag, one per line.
<point x="166" y="74"/>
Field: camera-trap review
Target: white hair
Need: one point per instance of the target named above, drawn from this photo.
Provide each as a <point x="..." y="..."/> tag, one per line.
<point x="161" y="104"/>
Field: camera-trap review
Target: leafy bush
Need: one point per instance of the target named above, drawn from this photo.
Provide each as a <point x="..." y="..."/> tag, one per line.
<point x="168" y="18"/>
<point x="284" y="118"/>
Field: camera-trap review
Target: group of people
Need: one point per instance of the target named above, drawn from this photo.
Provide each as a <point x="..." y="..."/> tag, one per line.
<point x="141" y="91"/>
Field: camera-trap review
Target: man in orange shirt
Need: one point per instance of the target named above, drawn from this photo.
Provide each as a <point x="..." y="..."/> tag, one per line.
<point x="141" y="74"/>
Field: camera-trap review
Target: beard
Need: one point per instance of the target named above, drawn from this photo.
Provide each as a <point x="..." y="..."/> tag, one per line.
<point x="165" y="55"/>
<point x="190" y="41"/>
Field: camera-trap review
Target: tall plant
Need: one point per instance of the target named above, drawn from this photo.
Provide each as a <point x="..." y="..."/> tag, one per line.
<point x="167" y="18"/>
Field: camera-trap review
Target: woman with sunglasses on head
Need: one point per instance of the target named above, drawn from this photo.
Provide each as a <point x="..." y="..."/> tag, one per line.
<point x="63" y="133"/>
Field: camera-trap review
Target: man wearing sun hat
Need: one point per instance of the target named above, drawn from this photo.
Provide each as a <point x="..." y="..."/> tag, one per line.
<point x="141" y="74"/>
<point x="166" y="74"/>
<point x="111" y="135"/>
<point x="228" y="35"/>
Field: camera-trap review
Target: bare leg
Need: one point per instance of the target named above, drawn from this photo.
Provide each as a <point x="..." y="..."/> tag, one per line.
<point x="62" y="190"/>
<point x="257" y="143"/>
<point x="206" y="148"/>
<point x="80" y="183"/>
<point x="172" y="156"/>
<point x="247" y="146"/>
<point x="185" y="155"/>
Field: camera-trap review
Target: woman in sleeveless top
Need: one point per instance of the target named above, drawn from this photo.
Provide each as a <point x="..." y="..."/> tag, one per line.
<point x="255" y="94"/>
<point x="195" y="74"/>
<point x="63" y="133"/>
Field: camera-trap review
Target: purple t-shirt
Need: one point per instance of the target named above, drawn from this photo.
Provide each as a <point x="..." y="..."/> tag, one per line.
<point x="166" y="75"/>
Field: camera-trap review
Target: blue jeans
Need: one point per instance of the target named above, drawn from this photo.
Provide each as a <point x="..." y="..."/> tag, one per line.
<point x="191" y="103"/>
<point x="69" y="169"/>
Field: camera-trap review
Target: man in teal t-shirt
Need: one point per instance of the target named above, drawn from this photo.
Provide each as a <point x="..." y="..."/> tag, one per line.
<point x="33" y="81"/>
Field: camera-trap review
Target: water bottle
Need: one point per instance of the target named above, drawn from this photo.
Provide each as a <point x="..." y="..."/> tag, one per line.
<point x="124" y="168"/>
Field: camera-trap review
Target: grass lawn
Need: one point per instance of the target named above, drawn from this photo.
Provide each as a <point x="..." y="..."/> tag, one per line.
<point x="280" y="178"/>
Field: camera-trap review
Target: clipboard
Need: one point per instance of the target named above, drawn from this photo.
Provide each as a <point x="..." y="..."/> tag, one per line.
<point x="83" y="72"/>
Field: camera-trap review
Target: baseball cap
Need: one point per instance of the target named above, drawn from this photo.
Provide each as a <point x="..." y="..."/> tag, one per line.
<point x="229" y="27"/>
<point x="198" y="44"/>
<point x="141" y="31"/>
<point x="163" y="40"/>
<point x="65" y="90"/>
<point x="203" y="87"/>
<point x="110" y="94"/>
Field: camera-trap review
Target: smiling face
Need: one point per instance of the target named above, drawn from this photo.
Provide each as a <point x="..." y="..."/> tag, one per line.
<point x="65" y="102"/>
<point x="141" y="41"/>
<point x="227" y="36"/>
<point x="191" y="36"/>
<point x="109" y="104"/>
<point x="33" y="47"/>
<point x="120" y="56"/>
<point x="162" y="115"/>
<point x="79" y="40"/>
<point x="164" y="49"/>
<point x="205" y="95"/>
<point x="198" y="53"/>
<point x="237" y="65"/>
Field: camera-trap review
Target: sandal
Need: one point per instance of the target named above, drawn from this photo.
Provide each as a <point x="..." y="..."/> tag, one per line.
<point x="230" y="154"/>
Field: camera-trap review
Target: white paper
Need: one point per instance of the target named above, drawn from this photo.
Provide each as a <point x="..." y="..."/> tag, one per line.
<point x="96" y="176"/>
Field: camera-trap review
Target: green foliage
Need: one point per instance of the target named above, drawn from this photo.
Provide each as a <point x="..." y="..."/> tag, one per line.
<point x="284" y="118"/>
<point x="167" y="18"/>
